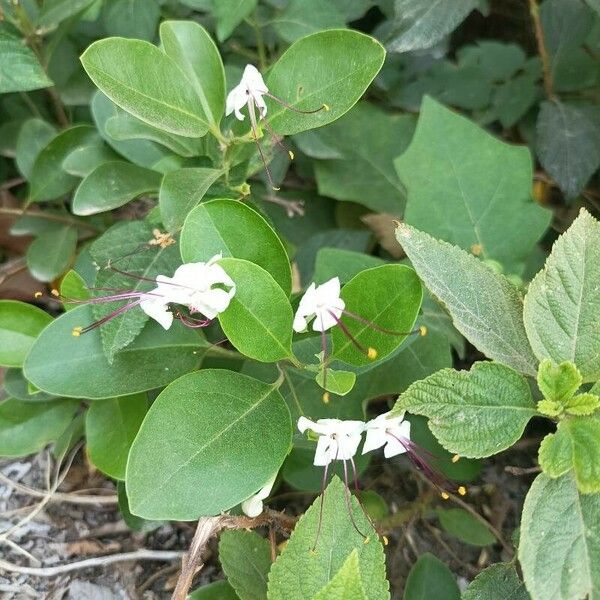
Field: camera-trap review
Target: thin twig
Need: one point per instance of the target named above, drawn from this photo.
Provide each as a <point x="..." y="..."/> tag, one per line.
<point x="100" y="561"/>
<point x="71" y="498"/>
<point x="534" y="10"/>
<point x="11" y="183"/>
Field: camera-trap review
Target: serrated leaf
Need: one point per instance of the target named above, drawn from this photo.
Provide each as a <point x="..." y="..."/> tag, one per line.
<point x="308" y="564"/>
<point x="230" y="443"/>
<point x="455" y="174"/>
<point x="568" y="143"/>
<point x="430" y="578"/>
<point x="582" y="404"/>
<point x="484" y="306"/>
<point x="321" y="69"/>
<point x="558" y="382"/>
<point x="555" y="454"/>
<point x="498" y="582"/>
<point x="473" y="413"/>
<point x="20" y="70"/>
<point x="246" y="559"/>
<point x="111" y="426"/>
<point x="126" y="243"/>
<point x="560" y="557"/>
<point x="346" y="583"/>
<point x="422" y="24"/>
<point x="560" y="310"/>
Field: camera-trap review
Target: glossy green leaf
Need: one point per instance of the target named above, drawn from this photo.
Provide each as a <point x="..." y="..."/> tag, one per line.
<point x="73" y="286"/>
<point x="308" y="564"/>
<point x="180" y="192"/>
<point x="389" y="297"/>
<point x="218" y="590"/>
<point x="131" y="18"/>
<point x="258" y="321"/>
<point x="26" y="427"/>
<point x="498" y="582"/>
<point x="345" y="264"/>
<point x="464" y="526"/>
<point x="246" y="559"/>
<point x="568" y="143"/>
<point x="321" y="69"/>
<point x="366" y="141"/>
<point x="190" y="46"/>
<point x="484" y="306"/>
<point x="20" y="324"/>
<point x="126" y="243"/>
<point x="229" y="14"/>
<point x="110" y="427"/>
<point x="303" y="17"/>
<point x="218" y="431"/>
<point x="34" y="135"/>
<point x="431" y="578"/>
<point x="47" y="179"/>
<point x="83" y="160"/>
<point x="234" y="229"/>
<point x="17" y="387"/>
<point x="113" y="184"/>
<point x="144" y="81"/>
<point x="458" y="190"/>
<point x="20" y="70"/>
<point x="560" y="557"/>
<point x="473" y="413"/>
<point x="337" y="382"/>
<point x="560" y="310"/>
<point x="64" y="365"/>
<point x="51" y="253"/>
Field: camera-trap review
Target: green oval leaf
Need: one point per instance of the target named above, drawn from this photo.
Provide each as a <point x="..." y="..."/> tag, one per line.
<point x="218" y="431"/>
<point x="26" y="427"/>
<point x="431" y="578"/>
<point x="465" y="527"/>
<point x="110" y="427"/>
<point x="390" y="297"/>
<point x="144" y="81"/>
<point x="234" y="229"/>
<point x="258" y="321"/>
<point x="64" y="365"/>
<point x="51" y="253"/>
<point x="20" y="324"/>
<point x="111" y="185"/>
<point x="322" y="69"/>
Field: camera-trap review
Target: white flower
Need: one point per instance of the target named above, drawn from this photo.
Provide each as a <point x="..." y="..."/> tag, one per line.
<point x="322" y="302"/>
<point x="250" y="90"/>
<point x="338" y="440"/>
<point x="254" y="505"/>
<point x="203" y="287"/>
<point x="387" y="431"/>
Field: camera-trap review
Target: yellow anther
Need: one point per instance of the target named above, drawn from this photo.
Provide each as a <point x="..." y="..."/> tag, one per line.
<point x="385" y="540"/>
<point x="38" y="295"/>
<point x="55" y="293"/>
<point x="291" y="155"/>
<point x="423" y="330"/>
<point x="275" y="189"/>
<point x="462" y="490"/>
<point x="312" y="552"/>
<point x="371" y="354"/>
<point x="476" y="249"/>
<point x="455" y="458"/>
<point x="326" y="397"/>
<point x="326" y="107"/>
<point x="76" y="331"/>
<point x="366" y="540"/>
<point x="445" y="495"/>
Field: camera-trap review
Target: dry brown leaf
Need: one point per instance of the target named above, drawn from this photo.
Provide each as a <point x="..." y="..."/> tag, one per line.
<point x="383" y="226"/>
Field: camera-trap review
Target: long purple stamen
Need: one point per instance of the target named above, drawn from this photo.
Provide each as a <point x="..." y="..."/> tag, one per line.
<point x="77" y="331"/>
<point x="324" y="348"/>
<point x="323" y="487"/>
<point x="192" y="322"/>
<point x="349" y="502"/>
<point x="254" y="128"/>
<point x="378" y="327"/>
<point x="348" y="334"/>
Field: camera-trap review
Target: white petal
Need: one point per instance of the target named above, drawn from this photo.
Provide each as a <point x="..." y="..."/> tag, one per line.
<point x="326" y="451"/>
<point x="329" y="291"/>
<point x="308" y="303"/>
<point x="253" y="80"/>
<point x="236" y="100"/>
<point x="252" y="507"/>
<point x="300" y="323"/>
<point x="374" y="439"/>
<point x="260" y="103"/>
<point x="324" y="321"/>
<point x="393" y="447"/>
<point x="348" y="445"/>
<point x="403" y="430"/>
<point x="304" y="424"/>
<point x="157" y="310"/>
